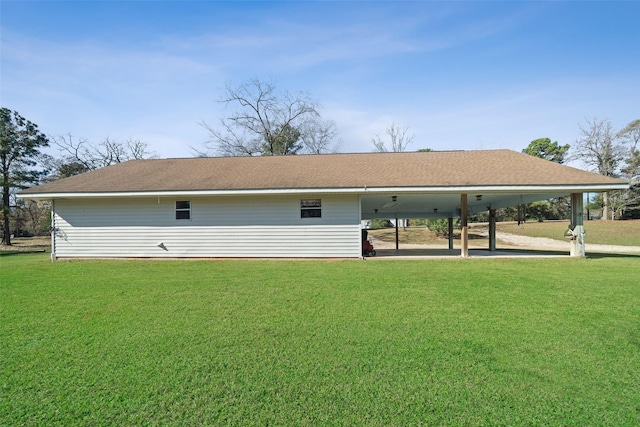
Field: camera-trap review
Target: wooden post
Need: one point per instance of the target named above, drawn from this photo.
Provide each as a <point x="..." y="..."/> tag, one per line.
<point x="397" y="246"/>
<point x="450" y="233"/>
<point x="464" y="232"/>
<point x="492" y="230"/>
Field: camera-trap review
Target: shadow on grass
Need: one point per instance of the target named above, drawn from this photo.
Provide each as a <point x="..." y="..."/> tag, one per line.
<point x="528" y="251"/>
<point x="591" y="255"/>
<point x="600" y="255"/>
<point x="9" y="253"/>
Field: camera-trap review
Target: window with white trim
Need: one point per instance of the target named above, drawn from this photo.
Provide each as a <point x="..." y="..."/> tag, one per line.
<point x="183" y="209"/>
<point x="311" y="208"/>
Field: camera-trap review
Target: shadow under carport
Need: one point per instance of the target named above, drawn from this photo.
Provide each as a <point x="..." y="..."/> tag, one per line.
<point x="387" y="254"/>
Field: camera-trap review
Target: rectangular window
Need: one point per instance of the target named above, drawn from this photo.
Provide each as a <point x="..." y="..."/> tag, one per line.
<point x="183" y="209"/>
<point x="310" y="208"/>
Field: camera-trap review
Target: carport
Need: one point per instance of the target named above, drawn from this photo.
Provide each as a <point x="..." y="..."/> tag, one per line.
<point x="464" y="185"/>
<point x="435" y="205"/>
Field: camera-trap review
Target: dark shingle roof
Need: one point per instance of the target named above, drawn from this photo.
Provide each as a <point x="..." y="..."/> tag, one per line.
<point x="415" y="169"/>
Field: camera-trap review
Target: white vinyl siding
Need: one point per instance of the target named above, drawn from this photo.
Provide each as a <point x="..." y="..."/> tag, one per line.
<point x="265" y="226"/>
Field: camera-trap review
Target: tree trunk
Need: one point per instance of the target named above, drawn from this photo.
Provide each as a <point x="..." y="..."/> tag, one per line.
<point x="605" y="206"/>
<point x="6" y="239"/>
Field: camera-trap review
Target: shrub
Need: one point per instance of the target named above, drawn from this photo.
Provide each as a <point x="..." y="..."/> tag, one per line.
<point x="441" y="226"/>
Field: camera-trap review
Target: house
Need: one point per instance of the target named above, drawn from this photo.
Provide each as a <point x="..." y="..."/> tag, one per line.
<point x="290" y="206"/>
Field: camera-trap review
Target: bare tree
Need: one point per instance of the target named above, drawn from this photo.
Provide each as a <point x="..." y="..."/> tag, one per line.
<point x="398" y="137"/>
<point x="598" y="147"/>
<point x="32" y="218"/>
<point x="79" y="155"/>
<point x="318" y="137"/>
<point x="630" y="135"/>
<point x="601" y="149"/>
<point x="265" y="121"/>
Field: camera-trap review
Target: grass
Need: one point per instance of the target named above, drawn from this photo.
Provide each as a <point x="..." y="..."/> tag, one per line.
<point x="459" y="342"/>
<point x="624" y="233"/>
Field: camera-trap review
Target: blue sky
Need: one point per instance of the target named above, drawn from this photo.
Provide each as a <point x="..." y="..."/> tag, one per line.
<point x="461" y="75"/>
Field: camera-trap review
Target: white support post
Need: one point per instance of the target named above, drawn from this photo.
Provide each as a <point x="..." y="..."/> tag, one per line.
<point x="53" y="230"/>
<point x="577" y="222"/>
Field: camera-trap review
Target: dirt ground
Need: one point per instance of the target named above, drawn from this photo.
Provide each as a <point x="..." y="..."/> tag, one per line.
<point x="28" y="244"/>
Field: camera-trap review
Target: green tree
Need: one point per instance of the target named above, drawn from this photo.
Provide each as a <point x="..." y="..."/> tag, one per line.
<point x="20" y="141"/>
<point x="70" y="169"/>
<point x="552" y="151"/>
<point x="285" y="141"/>
<point x="440" y="226"/>
<point x="545" y="149"/>
<point x="380" y="223"/>
<point x="539" y="210"/>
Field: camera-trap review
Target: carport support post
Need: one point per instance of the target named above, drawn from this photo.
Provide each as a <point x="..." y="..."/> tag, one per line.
<point x="464" y="236"/>
<point x="397" y="240"/>
<point x="492" y="230"/>
<point x="450" y="233"/>
<point x="577" y="222"/>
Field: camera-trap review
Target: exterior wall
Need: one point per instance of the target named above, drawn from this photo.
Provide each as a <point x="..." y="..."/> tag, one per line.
<point x="223" y="226"/>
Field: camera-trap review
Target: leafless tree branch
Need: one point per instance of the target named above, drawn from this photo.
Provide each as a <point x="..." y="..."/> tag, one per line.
<point x="264" y="121"/>
<point x="398" y="137"/>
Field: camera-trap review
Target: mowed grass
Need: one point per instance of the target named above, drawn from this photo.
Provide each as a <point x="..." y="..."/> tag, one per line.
<point x="455" y="342"/>
<point x="624" y="233"/>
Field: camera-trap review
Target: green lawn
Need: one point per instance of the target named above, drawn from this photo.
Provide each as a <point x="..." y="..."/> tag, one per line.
<point x="455" y="342"/>
<point x="625" y="233"/>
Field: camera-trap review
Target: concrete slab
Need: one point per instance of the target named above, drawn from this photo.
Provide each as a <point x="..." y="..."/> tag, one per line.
<point x="445" y="253"/>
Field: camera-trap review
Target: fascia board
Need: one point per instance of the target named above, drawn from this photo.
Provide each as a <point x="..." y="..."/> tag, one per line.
<point x="496" y="189"/>
<point x="488" y="189"/>
<point x="190" y="193"/>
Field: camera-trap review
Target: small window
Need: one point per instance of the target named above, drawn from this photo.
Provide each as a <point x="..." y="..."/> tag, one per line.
<point x="183" y="209"/>
<point x="310" y="208"/>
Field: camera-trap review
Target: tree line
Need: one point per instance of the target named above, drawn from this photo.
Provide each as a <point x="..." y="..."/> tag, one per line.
<point x="23" y="164"/>
<point x="607" y="151"/>
<point x="261" y="120"/>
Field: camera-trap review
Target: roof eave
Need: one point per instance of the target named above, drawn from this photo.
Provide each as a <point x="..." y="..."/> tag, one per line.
<point x="562" y="188"/>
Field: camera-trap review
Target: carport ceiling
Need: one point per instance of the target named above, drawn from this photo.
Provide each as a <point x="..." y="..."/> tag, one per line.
<point x="427" y="205"/>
